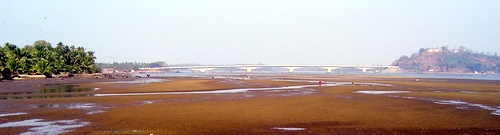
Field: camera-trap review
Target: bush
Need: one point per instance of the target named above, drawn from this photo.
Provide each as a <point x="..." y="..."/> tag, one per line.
<point x="47" y="75"/>
<point x="6" y="74"/>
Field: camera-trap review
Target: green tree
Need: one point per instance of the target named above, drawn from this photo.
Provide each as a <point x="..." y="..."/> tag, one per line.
<point x="422" y="50"/>
<point x="42" y="58"/>
<point x="3" y="58"/>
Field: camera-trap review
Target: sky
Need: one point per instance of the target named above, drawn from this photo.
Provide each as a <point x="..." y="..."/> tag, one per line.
<point x="223" y="32"/>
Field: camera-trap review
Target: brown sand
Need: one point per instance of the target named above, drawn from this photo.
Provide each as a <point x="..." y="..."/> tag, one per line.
<point x="332" y="110"/>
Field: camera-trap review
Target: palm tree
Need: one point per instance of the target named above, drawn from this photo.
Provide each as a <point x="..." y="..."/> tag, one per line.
<point x="42" y="67"/>
<point x="3" y="58"/>
<point x="21" y="58"/>
<point x="42" y="58"/>
<point x="8" y="46"/>
<point x="90" y="61"/>
<point x="12" y="53"/>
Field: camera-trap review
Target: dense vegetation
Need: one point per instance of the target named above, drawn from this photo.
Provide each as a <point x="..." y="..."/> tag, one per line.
<point x="128" y="66"/>
<point x="42" y="58"/>
<point x="443" y="59"/>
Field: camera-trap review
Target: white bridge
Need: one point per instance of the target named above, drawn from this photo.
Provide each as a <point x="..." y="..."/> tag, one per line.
<point x="290" y="68"/>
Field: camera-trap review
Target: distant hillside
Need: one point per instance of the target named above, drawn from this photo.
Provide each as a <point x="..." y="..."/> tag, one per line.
<point x="444" y="60"/>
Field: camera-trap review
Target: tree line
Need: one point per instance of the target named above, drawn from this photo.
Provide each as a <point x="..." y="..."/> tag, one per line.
<point x="41" y="58"/>
<point x="470" y="61"/>
<point x="128" y="66"/>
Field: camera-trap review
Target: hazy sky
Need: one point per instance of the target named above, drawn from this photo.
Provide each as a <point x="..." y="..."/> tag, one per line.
<point x="250" y="32"/>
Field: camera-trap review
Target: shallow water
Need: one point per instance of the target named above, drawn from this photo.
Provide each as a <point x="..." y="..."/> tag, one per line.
<point x="343" y="96"/>
<point x="466" y="105"/>
<point x="63" y="88"/>
<point x="301" y="89"/>
<point x="12" y="114"/>
<point x="340" y="83"/>
<point x="457" y="103"/>
<point x="39" y="127"/>
<point x="88" y="108"/>
<point x="289" y="128"/>
<point x="374" y="92"/>
<point x="461" y="91"/>
<point x="59" y="91"/>
<point x="140" y="81"/>
<point x="223" y="91"/>
<point x="44" y="96"/>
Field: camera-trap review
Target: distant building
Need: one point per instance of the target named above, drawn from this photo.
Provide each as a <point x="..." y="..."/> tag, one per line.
<point x="433" y="50"/>
<point x="107" y="70"/>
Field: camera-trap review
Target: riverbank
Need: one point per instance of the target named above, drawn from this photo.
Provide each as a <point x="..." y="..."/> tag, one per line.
<point x="36" y="83"/>
<point x="268" y="106"/>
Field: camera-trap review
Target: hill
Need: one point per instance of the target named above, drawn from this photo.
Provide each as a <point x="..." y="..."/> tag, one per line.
<point x="444" y="60"/>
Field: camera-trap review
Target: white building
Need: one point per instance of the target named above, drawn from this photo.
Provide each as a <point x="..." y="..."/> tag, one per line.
<point x="433" y="50"/>
<point x="107" y="70"/>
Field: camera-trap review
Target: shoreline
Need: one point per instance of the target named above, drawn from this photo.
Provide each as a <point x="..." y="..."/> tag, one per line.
<point x="33" y="84"/>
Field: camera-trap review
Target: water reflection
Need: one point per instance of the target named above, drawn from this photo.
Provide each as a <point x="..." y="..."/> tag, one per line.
<point x="63" y="89"/>
<point x="12" y="97"/>
<point x="60" y="91"/>
<point x="40" y="126"/>
<point x="458" y="103"/>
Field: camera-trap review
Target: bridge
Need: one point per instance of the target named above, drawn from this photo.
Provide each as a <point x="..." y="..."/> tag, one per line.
<point x="290" y="68"/>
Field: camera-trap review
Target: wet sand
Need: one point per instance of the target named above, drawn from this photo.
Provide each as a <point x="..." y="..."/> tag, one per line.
<point x="430" y="106"/>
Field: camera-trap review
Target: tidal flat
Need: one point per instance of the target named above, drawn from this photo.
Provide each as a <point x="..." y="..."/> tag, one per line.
<point x="288" y="104"/>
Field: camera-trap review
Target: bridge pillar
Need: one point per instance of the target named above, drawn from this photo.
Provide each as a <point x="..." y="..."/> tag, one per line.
<point x="329" y="69"/>
<point x="249" y="69"/>
<point x="290" y="69"/>
<point x="364" y="69"/>
<point x="202" y="70"/>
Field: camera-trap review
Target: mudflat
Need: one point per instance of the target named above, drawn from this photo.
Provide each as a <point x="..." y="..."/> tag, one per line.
<point x="289" y="104"/>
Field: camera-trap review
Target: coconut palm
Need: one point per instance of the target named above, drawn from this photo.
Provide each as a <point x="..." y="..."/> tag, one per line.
<point x="42" y="58"/>
<point x="3" y="58"/>
<point x="42" y="67"/>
